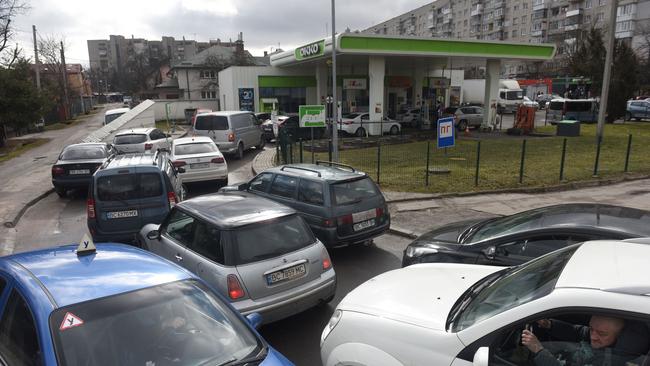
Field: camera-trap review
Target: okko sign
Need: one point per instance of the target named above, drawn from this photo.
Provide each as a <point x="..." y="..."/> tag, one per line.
<point x="310" y="50"/>
<point x="446" y="132"/>
<point x="312" y="115"/>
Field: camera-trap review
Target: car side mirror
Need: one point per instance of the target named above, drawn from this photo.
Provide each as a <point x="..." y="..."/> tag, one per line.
<point x="180" y="170"/>
<point x="153" y="235"/>
<point x="490" y="252"/>
<point x="242" y="187"/>
<point x="481" y="357"/>
<point x="255" y="320"/>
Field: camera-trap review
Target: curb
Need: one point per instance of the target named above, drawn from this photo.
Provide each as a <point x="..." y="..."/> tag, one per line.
<point x="405" y="233"/>
<point x="14" y="222"/>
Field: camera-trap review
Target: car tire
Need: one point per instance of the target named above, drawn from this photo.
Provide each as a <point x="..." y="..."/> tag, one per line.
<point x="628" y="116"/>
<point x="260" y="146"/>
<point x="60" y="191"/>
<point x="360" y="132"/>
<point x="240" y="151"/>
<point x="462" y="125"/>
<point x="394" y="130"/>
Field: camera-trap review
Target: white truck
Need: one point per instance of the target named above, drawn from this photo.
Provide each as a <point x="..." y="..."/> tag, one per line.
<point x="510" y="94"/>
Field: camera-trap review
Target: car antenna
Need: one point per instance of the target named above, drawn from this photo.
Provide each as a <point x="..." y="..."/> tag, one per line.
<point x="86" y="246"/>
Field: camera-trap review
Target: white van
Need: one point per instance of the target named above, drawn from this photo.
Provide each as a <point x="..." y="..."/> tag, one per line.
<point x="113" y="114"/>
<point x="233" y="132"/>
<point x="583" y="110"/>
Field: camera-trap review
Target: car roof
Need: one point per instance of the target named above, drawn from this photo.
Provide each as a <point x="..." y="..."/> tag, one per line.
<point x="112" y="269"/>
<point x="324" y="172"/>
<point x="224" y="113"/>
<point x="116" y="110"/>
<point x="130" y="131"/>
<point x="82" y="144"/>
<point x="608" y="265"/>
<point x="136" y="159"/>
<point x="234" y="209"/>
<point x="193" y="139"/>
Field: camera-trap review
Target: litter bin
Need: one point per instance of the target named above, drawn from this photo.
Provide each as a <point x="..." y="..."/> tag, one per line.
<point x="569" y="128"/>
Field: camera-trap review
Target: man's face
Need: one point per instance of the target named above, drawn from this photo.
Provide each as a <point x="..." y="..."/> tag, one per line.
<point x="603" y="333"/>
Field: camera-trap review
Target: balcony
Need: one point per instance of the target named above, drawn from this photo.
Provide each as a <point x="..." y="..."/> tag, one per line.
<point x="447" y="19"/>
<point x="573" y="13"/>
<point x="537" y="33"/>
<point x="571" y="27"/>
<point x="538" y="5"/>
<point x="624" y="17"/>
<point x="476" y="10"/>
<point x="625" y="34"/>
<point x="497" y="4"/>
<point x="570" y="41"/>
<point x="446" y="11"/>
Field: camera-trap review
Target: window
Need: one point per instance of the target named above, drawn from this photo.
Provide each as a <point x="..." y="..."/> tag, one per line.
<point x="18" y="337"/>
<point x="310" y="192"/>
<point x="284" y="186"/>
<point x="261" y="183"/>
<point x="209" y="95"/>
<point x="121" y="187"/>
<point x="207" y="74"/>
<point x="536" y="247"/>
<point x="352" y="192"/>
<point x="523" y="31"/>
<point x="207" y="241"/>
<point x="515" y="21"/>
<point x="211" y="123"/>
<point x="195" y="148"/>
<point x="157" y="135"/>
<point x="135" y="138"/>
<point x="588" y="4"/>
<point x="514" y="33"/>
<point x="180" y="226"/>
<point x="600" y="17"/>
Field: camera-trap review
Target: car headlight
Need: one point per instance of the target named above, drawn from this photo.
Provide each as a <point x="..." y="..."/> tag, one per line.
<point x="419" y="251"/>
<point x="334" y="320"/>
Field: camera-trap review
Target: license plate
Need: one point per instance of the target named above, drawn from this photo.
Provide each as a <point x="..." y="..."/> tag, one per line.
<point x="199" y="165"/>
<point x="286" y="274"/>
<point x="363" y="225"/>
<point x="364" y="215"/>
<point x="121" y="214"/>
<point x="79" y="171"/>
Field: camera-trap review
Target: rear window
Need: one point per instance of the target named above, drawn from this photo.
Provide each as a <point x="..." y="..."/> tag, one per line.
<point x="211" y="123"/>
<point x="130" y="139"/>
<point x="122" y="187"/>
<point x="111" y="117"/>
<point x="556" y="106"/>
<point x="85" y="152"/>
<point x="271" y="239"/>
<point x="195" y="148"/>
<point x="349" y="192"/>
<point x="450" y="110"/>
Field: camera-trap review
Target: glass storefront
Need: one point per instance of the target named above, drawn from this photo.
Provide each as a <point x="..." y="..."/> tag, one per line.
<point x="288" y="98"/>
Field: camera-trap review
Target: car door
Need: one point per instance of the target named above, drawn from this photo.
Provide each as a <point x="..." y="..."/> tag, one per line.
<point x="515" y="251"/>
<point x="205" y="255"/>
<point x="364" y="121"/>
<point x="19" y="340"/>
<point x="260" y="184"/>
<point x="283" y="190"/>
<point x="176" y="232"/>
<point x="310" y="204"/>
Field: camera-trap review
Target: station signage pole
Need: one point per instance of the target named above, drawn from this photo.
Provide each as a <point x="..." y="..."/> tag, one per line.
<point x="609" y="59"/>
<point x="335" y="124"/>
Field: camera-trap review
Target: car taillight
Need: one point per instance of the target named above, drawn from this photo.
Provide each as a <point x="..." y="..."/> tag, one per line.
<point x="171" y="197"/>
<point x="344" y="220"/>
<point x="178" y="163"/>
<point x="329" y="223"/>
<point x="231" y="137"/>
<point x="57" y="170"/>
<point x="218" y="160"/>
<point x="235" y="291"/>
<point x="327" y="263"/>
<point x="90" y="208"/>
<point x="148" y="146"/>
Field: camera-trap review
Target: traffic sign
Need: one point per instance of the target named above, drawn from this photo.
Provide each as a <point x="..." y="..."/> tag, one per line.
<point x="446" y="132"/>
<point x="312" y="115"/>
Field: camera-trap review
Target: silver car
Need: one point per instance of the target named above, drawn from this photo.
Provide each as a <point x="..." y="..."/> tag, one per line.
<point x="260" y="254"/>
<point x="233" y="132"/>
<point x="468" y="116"/>
<point x="138" y="140"/>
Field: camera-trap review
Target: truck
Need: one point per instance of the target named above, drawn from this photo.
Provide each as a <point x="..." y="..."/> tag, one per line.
<point x="510" y="94"/>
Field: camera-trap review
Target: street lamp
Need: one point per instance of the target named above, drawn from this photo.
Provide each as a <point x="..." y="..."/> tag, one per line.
<point x="335" y="140"/>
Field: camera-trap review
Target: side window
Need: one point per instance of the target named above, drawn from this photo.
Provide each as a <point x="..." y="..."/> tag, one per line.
<point x="310" y="192"/>
<point x="261" y="183"/>
<point x="252" y="120"/>
<point x="207" y="241"/>
<point x="18" y="338"/>
<point x="180" y="226"/>
<point x="284" y="186"/>
<point x="502" y="95"/>
<point x="365" y="117"/>
<point x="535" y="247"/>
<point x="3" y="284"/>
<point x="156" y="135"/>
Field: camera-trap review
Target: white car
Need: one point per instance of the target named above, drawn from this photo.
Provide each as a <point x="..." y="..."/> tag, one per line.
<point x="138" y="140"/>
<point x="464" y="314"/>
<point x="112" y="114"/>
<point x="201" y="159"/>
<point x="529" y="103"/>
<point x="358" y="124"/>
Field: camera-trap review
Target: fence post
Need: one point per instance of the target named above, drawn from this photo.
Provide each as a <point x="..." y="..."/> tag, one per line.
<point x="627" y="154"/>
<point x="291" y="152"/>
<point x="478" y="161"/>
<point x="597" y="158"/>
<point x="277" y="154"/>
<point x="521" y="164"/>
<point x="562" y="160"/>
<point x="378" y="159"/>
<point x="300" y="149"/>
<point x="329" y="150"/>
<point x="426" y="173"/>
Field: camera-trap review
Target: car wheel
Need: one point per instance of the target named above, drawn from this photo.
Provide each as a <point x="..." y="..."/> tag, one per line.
<point x="361" y="132"/>
<point x="260" y="146"/>
<point x="628" y="116"/>
<point x="462" y="125"/>
<point x="394" y="130"/>
<point x="240" y="151"/>
<point x="60" y="191"/>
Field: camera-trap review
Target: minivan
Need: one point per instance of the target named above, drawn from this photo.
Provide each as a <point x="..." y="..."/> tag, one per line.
<point x="129" y="191"/>
<point x="583" y="110"/>
<point x="233" y="132"/>
<point x="112" y="114"/>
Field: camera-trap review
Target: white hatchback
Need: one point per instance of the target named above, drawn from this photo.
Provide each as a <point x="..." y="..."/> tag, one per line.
<point x="464" y="314"/>
<point x="139" y="140"/>
<point x="201" y="159"/>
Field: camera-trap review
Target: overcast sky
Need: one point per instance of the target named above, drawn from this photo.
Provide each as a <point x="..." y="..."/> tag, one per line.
<point x="265" y="23"/>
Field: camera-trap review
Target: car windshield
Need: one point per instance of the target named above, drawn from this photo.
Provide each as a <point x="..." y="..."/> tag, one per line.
<point x="515" y="95"/>
<point x="180" y="323"/>
<point x="556" y="106"/>
<point x="506" y="225"/>
<point x="111" y="117"/>
<point x="354" y="191"/>
<point x="134" y="138"/>
<point x="120" y="187"/>
<point x="195" y="148"/>
<point x="270" y="239"/>
<point x="211" y="123"/>
<point x="83" y="152"/>
<point x="508" y="288"/>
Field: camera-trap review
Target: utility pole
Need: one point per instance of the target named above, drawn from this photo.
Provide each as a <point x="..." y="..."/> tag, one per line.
<point x="609" y="59"/>
<point x="65" y="82"/>
<point x="335" y="105"/>
<point x="38" y="65"/>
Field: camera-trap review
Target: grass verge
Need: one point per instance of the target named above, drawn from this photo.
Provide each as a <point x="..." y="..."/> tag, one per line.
<point x="15" y="147"/>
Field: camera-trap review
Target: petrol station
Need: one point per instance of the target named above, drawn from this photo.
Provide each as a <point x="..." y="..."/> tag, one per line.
<point x="377" y="74"/>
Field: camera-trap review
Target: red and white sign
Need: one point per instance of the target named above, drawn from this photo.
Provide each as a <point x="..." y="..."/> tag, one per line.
<point x="70" y="321"/>
<point x="358" y="84"/>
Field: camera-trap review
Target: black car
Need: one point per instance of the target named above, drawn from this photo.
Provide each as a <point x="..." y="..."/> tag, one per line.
<point x="515" y="239"/>
<point x="293" y="129"/>
<point x="76" y="164"/>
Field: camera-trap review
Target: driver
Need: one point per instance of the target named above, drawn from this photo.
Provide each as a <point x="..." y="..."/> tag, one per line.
<point x="594" y="343"/>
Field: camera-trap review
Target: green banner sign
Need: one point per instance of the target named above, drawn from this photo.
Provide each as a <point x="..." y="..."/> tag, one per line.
<point x="310" y="50"/>
<point x="312" y="115"/>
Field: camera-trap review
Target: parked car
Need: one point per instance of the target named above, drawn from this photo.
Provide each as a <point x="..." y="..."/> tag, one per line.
<point x="409" y="116"/>
<point x="137" y="140"/>
<point x="112" y="114"/>
<point x="461" y="314"/>
<point x="197" y="112"/>
<point x="293" y="129"/>
<point x="358" y="124"/>
<point x="201" y="159"/>
<point x="76" y="164"/>
<point x="544" y="99"/>
<point x="233" y="132"/>
<point x="130" y="191"/>
<point x="465" y="116"/>
<point x="637" y="109"/>
<point x="518" y="238"/>
<point x="342" y="206"/>
<point x="259" y="253"/>
<point x="583" y="110"/>
<point x="263" y="116"/>
<point x="529" y="103"/>
<point x="118" y="305"/>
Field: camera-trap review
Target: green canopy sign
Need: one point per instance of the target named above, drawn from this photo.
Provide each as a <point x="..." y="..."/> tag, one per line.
<point x="312" y="115"/>
<point x="310" y="50"/>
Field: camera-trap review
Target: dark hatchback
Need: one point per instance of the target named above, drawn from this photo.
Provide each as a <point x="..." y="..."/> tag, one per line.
<point x="76" y="164"/>
<point x="518" y="238"/>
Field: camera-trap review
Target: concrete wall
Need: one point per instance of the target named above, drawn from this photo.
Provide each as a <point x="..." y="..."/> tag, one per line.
<point x="177" y="109"/>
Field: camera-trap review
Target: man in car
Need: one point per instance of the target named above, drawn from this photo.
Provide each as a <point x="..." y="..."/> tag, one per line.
<point x="581" y="345"/>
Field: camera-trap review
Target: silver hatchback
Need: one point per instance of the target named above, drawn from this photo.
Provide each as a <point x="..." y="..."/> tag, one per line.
<point x="258" y="253"/>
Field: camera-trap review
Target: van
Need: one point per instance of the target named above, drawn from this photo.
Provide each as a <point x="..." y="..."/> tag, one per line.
<point x="130" y="191"/>
<point x="233" y="132"/>
<point x="583" y="110"/>
<point x="113" y="114"/>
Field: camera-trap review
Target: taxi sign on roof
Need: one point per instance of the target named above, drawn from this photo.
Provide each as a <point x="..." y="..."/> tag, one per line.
<point x="86" y="246"/>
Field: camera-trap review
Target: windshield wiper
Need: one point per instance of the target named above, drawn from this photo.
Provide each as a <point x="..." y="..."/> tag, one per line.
<point x="253" y="359"/>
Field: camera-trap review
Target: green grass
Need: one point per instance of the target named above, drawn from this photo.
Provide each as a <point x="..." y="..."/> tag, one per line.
<point x="403" y="166"/>
<point x="16" y="147"/>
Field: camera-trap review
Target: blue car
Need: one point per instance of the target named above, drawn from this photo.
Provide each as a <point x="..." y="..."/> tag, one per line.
<point x="118" y="305"/>
<point x="637" y="109"/>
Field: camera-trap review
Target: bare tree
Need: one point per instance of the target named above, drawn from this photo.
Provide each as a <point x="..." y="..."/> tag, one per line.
<point x="9" y="9"/>
<point x="52" y="66"/>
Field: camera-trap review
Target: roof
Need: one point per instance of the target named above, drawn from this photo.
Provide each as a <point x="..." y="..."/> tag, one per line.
<point x="112" y="269"/>
<point x="189" y="140"/>
<point x="126" y="160"/>
<point x="234" y="209"/>
<point x="140" y="130"/>
<point x="608" y="265"/>
<point x="330" y="174"/>
<point x="117" y="110"/>
<point x="214" y="54"/>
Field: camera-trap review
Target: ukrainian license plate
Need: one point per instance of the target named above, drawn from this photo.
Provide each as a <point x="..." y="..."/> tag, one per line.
<point x="363" y="225"/>
<point x="79" y="171"/>
<point x="121" y="214"/>
<point x="364" y="215"/>
<point x="286" y="274"/>
<point x="199" y="165"/>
